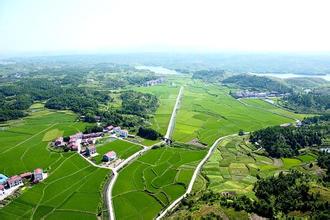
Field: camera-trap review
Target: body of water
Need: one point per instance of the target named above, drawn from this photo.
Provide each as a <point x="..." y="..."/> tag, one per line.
<point x="157" y="69"/>
<point x="292" y="75"/>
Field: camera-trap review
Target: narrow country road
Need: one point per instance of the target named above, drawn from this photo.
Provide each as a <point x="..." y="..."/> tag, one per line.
<point x="138" y="154"/>
<point x="171" y="124"/>
<point x="191" y="184"/>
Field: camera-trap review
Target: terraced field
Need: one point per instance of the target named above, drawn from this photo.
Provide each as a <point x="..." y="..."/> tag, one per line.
<point x="153" y="181"/>
<point x="235" y="164"/>
<point x="72" y="190"/>
<point x="209" y="112"/>
<point x="123" y="149"/>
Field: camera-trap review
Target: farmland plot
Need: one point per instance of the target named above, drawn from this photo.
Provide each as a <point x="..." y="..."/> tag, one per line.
<point x="153" y="181"/>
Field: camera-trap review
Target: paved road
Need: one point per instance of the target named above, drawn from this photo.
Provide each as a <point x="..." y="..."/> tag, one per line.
<point x="171" y="124"/>
<point x="138" y="154"/>
<point x="191" y="184"/>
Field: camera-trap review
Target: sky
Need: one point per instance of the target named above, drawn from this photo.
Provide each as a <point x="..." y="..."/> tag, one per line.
<point x="47" y="26"/>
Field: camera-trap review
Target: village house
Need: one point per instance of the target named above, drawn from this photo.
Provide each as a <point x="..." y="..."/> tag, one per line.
<point x="111" y="155"/>
<point x="154" y="82"/>
<point x="59" y="142"/>
<point x="123" y="133"/>
<point x="3" y="179"/>
<point x="92" y="135"/>
<point x="37" y="175"/>
<point x="90" y="150"/>
<point x="116" y="129"/>
<point x="108" y="128"/>
<point x="73" y="147"/>
<point x="2" y="189"/>
<point x="14" y="181"/>
<point x="26" y="175"/>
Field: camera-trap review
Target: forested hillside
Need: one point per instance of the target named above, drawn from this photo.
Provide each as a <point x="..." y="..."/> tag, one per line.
<point x="257" y="82"/>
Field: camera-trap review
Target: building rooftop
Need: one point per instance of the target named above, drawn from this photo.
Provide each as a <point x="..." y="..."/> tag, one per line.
<point x="111" y="154"/>
<point x="13" y="179"/>
<point x="38" y="170"/>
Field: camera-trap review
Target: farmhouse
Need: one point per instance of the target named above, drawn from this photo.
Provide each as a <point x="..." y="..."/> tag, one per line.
<point x="14" y="181"/>
<point x="3" y="179"/>
<point x="108" y="128"/>
<point x="116" y="129"/>
<point x="92" y="135"/>
<point x="26" y="175"/>
<point x="90" y="150"/>
<point x="154" y="82"/>
<point x="38" y="175"/>
<point x="111" y="155"/>
<point x="123" y="133"/>
<point x="2" y="189"/>
<point x="73" y="146"/>
<point x="59" y="142"/>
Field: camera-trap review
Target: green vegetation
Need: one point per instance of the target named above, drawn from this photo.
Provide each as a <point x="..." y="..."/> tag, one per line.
<point x="257" y="82"/>
<point x="73" y="188"/>
<point x="209" y="112"/>
<point x="153" y="181"/>
<point x="148" y="133"/>
<point x="281" y="195"/>
<point x="209" y="75"/>
<point x="314" y="101"/>
<point x="166" y="95"/>
<point x="226" y="186"/>
<point x="123" y="149"/>
<point x="137" y="103"/>
<point x="287" y="141"/>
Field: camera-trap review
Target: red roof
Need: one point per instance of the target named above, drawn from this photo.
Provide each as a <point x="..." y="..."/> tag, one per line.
<point x="2" y="187"/>
<point x="38" y="170"/>
<point x="27" y="174"/>
<point x="14" y="179"/>
<point x="111" y="154"/>
<point x="91" y="147"/>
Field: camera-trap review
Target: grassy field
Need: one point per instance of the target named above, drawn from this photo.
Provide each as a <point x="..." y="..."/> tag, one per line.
<point x="235" y="164"/>
<point x="123" y="149"/>
<point x="208" y="112"/>
<point x="72" y="189"/>
<point x="153" y="181"/>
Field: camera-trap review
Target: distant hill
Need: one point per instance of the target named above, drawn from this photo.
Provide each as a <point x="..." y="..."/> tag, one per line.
<point x="209" y="75"/>
<point x="306" y="82"/>
<point x="257" y="82"/>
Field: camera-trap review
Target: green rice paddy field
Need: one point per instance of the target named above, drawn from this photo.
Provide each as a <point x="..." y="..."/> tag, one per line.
<point x="209" y="112"/>
<point x="72" y="189"/>
<point x="235" y="164"/>
<point x="153" y="181"/>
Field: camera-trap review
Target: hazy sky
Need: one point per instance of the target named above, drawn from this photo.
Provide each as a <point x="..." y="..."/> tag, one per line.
<point x="164" y="25"/>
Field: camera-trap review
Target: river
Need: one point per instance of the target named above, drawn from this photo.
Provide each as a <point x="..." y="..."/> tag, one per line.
<point x="292" y="75"/>
<point x="157" y="69"/>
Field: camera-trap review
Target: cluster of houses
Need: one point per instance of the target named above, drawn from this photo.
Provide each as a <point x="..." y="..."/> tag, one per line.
<point x="80" y="141"/>
<point x="85" y="143"/>
<point x="154" y="82"/>
<point x="8" y="185"/>
<point x="254" y="94"/>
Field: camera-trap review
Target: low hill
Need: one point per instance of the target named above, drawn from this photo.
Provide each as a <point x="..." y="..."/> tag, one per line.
<point x="257" y="82"/>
